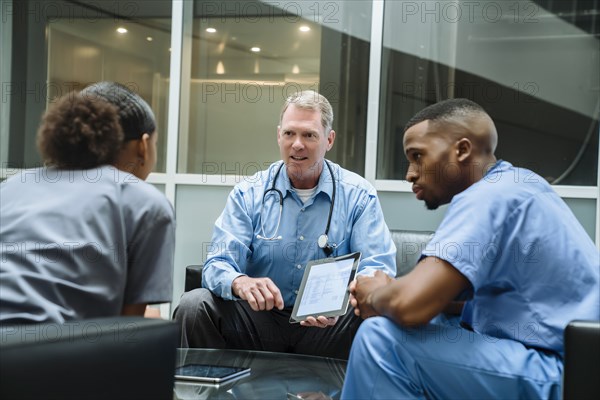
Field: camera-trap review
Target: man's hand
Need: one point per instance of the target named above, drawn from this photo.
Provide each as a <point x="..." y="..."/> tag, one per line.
<point x="361" y="293"/>
<point x="261" y="293"/>
<point x="320" y="321"/>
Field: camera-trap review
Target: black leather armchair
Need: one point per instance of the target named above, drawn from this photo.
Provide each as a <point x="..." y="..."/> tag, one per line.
<point x="193" y="277"/>
<point x="109" y="358"/>
<point x="582" y="360"/>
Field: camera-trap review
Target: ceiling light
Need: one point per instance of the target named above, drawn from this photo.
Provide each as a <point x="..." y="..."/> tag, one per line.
<point x="149" y="38"/>
<point x="121" y="30"/>
<point x="304" y="28"/>
<point x="296" y="69"/>
<point x="211" y="30"/>
<point x="220" y="68"/>
<point x="255" y="49"/>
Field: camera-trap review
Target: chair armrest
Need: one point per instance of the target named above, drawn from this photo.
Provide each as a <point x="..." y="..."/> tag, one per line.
<point x="582" y="352"/>
<point x="104" y="358"/>
<point x="193" y="277"/>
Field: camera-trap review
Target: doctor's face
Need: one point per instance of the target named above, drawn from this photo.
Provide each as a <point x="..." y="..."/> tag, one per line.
<point x="303" y="142"/>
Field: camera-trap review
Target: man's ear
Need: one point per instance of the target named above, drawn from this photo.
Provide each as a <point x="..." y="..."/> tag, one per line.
<point x="463" y="149"/>
<point x="330" y="139"/>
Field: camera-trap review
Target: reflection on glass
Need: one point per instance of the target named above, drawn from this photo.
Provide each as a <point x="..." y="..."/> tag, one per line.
<point x="78" y="43"/>
<point x="247" y="58"/>
<point x="532" y="65"/>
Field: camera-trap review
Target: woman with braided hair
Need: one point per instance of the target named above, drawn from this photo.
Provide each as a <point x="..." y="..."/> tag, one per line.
<point x="85" y="236"/>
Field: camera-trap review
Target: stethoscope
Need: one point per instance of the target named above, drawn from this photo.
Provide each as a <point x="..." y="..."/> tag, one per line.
<point x="323" y="240"/>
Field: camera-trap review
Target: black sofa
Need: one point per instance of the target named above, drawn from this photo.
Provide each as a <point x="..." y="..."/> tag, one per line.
<point x="108" y="358"/>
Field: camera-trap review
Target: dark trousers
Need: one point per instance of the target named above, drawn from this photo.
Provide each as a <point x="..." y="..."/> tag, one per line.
<point x="208" y="321"/>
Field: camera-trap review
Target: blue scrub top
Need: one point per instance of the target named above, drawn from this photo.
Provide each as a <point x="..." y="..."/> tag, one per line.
<point x="532" y="266"/>
<point x="79" y="244"/>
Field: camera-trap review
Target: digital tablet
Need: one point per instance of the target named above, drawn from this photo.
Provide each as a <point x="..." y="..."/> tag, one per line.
<point x="209" y="373"/>
<point x="324" y="287"/>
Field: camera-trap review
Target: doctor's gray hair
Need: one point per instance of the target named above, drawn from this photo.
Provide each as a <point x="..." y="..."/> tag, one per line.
<point x="311" y="100"/>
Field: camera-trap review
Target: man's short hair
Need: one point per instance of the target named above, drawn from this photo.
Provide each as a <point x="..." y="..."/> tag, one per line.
<point x="445" y="110"/>
<point x="311" y="100"/>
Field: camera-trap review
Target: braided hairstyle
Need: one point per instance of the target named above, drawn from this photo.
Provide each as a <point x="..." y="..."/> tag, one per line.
<point x="135" y="114"/>
<point x="87" y="129"/>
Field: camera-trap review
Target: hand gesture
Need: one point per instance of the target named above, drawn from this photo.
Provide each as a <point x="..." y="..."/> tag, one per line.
<point x="260" y="293"/>
<point x="361" y="293"/>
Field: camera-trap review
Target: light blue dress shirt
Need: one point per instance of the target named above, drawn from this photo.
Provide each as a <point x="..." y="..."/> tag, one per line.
<point x="357" y="224"/>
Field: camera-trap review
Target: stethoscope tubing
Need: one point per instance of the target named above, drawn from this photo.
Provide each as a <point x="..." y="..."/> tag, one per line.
<point x="262" y="235"/>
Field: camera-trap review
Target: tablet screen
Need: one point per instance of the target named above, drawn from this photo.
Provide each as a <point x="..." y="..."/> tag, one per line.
<point x="324" y="287"/>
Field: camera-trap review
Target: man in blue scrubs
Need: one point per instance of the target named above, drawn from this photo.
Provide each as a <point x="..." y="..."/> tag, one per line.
<point x="509" y="242"/>
<point x="272" y="225"/>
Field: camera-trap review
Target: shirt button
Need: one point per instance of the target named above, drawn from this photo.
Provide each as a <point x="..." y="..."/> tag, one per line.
<point x="296" y="291"/>
<point x="301" y="237"/>
<point x="302" y="209"/>
<point x="299" y="266"/>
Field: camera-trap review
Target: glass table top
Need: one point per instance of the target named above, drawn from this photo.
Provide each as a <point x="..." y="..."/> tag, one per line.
<point x="276" y="376"/>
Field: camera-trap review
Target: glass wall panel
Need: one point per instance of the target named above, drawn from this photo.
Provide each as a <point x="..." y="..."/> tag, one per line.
<point x="60" y="46"/>
<point x="533" y="65"/>
<point x="247" y="57"/>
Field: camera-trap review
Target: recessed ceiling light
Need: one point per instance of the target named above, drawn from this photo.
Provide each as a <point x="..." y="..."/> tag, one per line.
<point x="220" y="68"/>
<point x="255" y="49"/>
<point x="149" y="38"/>
<point x="121" y="30"/>
<point x="304" y="28"/>
<point x="211" y="30"/>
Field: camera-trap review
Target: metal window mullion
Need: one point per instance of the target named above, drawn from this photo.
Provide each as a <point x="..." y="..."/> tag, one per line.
<point x="598" y="197"/>
<point x="374" y="90"/>
<point x="174" y="97"/>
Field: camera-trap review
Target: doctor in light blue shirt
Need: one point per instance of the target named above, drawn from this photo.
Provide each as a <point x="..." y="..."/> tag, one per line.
<point x="300" y="209"/>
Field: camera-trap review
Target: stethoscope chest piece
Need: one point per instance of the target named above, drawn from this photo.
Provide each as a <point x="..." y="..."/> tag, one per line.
<point x="322" y="241"/>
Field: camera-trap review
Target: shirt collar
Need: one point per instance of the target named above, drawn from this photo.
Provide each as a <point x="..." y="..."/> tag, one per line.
<point x="325" y="183"/>
<point x="499" y="165"/>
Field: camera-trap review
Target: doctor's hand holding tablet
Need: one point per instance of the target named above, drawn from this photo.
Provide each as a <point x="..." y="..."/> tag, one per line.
<point x="323" y="295"/>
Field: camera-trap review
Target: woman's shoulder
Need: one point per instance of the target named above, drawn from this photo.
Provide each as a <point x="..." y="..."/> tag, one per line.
<point x="143" y="197"/>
